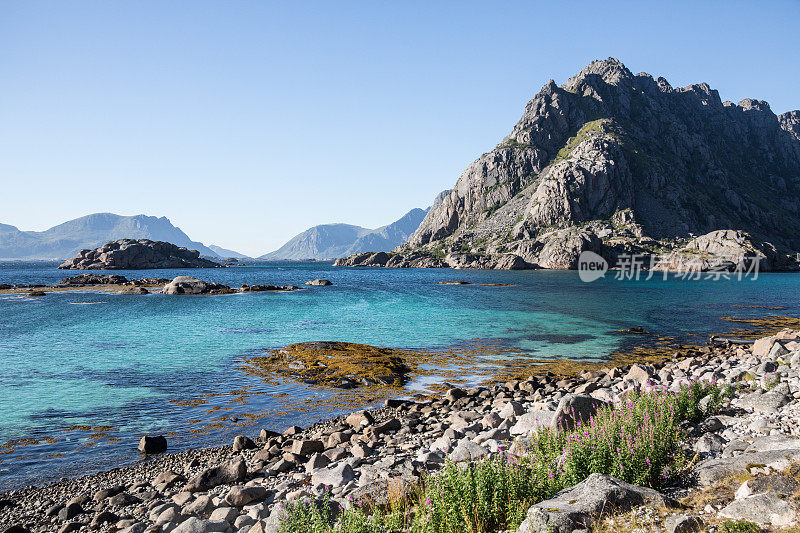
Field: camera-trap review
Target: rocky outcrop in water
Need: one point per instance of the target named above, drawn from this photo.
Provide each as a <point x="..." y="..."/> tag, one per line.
<point x="620" y="163"/>
<point x="133" y="254"/>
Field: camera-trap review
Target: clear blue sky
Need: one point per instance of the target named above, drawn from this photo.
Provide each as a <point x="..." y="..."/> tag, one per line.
<point x="247" y="122"/>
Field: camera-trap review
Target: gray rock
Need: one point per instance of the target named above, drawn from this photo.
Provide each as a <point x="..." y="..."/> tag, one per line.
<point x="528" y="423"/>
<point x="764" y="509"/>
<point x="241" y="496"/>
<point x="710" y="471"/>
<point x="778" y="484"/>
<point x="334" y="476"/>
<point x="575" y="408"/>
<point x="319" y="282"/>
<point x="190" y="285"/>
<point x="578" y="506"/>
<point x="196" y="525"/>
<point x="241" y="442"/>
<point x="227" y="473"/>
<point x="681" y="523"/>
<point x="468" y="451"/>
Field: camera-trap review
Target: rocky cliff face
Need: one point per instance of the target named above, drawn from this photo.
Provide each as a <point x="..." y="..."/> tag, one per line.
<point x="132" y="254"/>
<point x="617" y="162"/>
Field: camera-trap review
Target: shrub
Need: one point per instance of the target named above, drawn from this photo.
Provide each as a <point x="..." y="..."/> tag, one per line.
<point x="739" y="526"/>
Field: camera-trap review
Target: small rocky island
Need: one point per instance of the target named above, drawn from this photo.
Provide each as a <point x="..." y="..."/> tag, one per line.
<point x="137" y="254"/>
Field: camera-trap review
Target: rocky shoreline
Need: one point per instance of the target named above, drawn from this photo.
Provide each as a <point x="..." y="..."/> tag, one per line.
<point x="121" y="285"/>
<point x="740" y="456"/>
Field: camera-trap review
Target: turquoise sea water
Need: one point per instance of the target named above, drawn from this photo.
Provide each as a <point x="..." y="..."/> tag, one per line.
<point x="84" y="375"/>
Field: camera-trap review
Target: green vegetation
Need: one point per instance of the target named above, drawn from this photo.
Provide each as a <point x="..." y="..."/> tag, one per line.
<point x="739" y="526"/>
<point x="636" y="442"/>
<point x="573" y="142"/>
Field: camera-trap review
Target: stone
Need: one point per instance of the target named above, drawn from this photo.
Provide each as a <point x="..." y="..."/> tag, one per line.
<point x="393" y="424"/>
<point x="232" y="472"/>
<point x="512" y="409"/>
<point x="467" y="451"/>
<point x="710" y="471"/>
<point x="578" y="506"/>
<point x="334" y="476"/>
<point x="319" y="282"/>
<point x="241" y="496"/>
<point x="530" y="422"/>
<point x="317" y="461"/>
<point x="359" y="419"/>
<point x="766" y="509"/>
<point x="165" y="480"/>
<point x="196" y="525"/>
<point x="307" y="447"/>
<point x="360" y="450"/>
<point x="70" y="511"/>
<point x="241" y="442"/>
<point x="639" y="373"/>
<point x="151" y="445"/>
<point x="190" y="285"/>
<point x="228" y="514"/>
<point x="575" y="409"/>
<point x="454" y="394"/>
<point x="779" y="484"/>
<point x="681" y="523"/>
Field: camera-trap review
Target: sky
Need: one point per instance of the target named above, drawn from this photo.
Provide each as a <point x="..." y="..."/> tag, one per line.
<point x="247" y="122"/>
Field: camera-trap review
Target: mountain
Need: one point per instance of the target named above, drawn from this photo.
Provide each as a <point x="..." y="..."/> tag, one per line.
<point x="328" y="241"/>
<point x="89" y="232"/>
<point x="225" y="253"/>
<point x="616" y="162"/>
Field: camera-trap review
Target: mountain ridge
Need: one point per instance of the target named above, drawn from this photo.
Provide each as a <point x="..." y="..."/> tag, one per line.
<point x="616" y="163"/>
<point x="329" y="241"/>
<point x="88" y="232"/>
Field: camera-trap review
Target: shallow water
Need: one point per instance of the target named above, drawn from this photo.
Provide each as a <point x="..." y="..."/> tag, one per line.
<point x="84" y="375"/>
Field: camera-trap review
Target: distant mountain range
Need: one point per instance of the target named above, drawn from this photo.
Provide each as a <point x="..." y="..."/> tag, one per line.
<point x="67" y="239"/>
<point x="329" y="241"/>
<point x="320" y="242"/>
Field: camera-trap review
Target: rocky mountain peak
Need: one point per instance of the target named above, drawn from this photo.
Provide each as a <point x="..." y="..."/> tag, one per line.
<point x="610" y="71"/>
<point x="615" y="162"/>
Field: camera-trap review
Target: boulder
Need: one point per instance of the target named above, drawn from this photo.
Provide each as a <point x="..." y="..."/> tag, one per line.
<point x="530" y="422"/>
<point x="467" y="451"/>
<point x="681" y="523"/>
<point x="767" y="509"/>
<point x="225" y="474"/>
<point x="335" y="476"/>
<point x="574" y="409"/>
<point x="241" y="442"/>
<point x="150" y="445"/>
<point x="577" y="507"/>
<point x="240" y="496"/>
<point x="319" y="282"/>
<point x="190" y="285"/>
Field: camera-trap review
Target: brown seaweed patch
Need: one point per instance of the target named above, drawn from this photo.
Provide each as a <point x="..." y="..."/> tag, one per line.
<point x="761" y="327"/>
<point x="342" y="365"/>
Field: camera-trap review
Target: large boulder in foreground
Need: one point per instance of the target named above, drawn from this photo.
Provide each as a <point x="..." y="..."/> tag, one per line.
<point x="577" y="507"/>
<point x="136" y="254"/>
